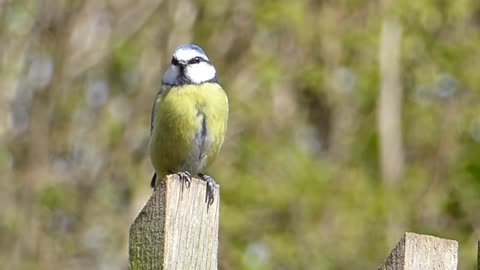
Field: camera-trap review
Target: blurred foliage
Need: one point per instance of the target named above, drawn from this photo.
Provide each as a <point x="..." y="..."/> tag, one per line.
<point x="299" y="171"/>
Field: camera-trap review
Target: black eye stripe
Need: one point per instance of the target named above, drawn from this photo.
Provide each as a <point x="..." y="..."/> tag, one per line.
<point x="195" y="60"/>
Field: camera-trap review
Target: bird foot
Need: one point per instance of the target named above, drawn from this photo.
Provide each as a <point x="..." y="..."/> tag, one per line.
<point x="185" y="177"/>
<point x="211" y="188"/>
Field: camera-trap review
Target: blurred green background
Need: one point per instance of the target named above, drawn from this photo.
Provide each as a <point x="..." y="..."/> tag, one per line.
<point x="308" y="179"/>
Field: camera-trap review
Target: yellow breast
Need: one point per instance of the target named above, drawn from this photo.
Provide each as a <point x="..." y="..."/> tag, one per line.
<point x="188" y="128"/>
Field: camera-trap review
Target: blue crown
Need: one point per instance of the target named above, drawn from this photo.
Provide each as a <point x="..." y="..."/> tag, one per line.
<point x="191" y="47"/>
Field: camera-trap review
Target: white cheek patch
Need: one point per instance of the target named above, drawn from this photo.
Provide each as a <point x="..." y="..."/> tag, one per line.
<point x="187" y="54"/>
<point x="201" y="72"/>
<point x="171" y="75"/>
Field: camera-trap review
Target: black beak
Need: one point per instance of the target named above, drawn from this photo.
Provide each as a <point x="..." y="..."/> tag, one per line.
<point x="182" y="64"/>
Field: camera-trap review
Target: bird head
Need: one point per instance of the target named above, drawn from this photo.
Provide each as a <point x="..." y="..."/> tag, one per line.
<point x="189" y="65"/>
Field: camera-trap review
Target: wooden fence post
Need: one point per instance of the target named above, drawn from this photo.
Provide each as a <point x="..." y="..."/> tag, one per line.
<point x="419" y="252"/>
<point x="176" y="229"/>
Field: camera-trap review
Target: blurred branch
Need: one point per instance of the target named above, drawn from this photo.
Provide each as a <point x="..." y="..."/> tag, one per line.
<point x="95" y="28"/>
<point x="390" y="103"/>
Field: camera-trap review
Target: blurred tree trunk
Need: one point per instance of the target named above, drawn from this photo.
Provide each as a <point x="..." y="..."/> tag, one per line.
<point x="390" y="103"/>
<point x="390" y="121"/>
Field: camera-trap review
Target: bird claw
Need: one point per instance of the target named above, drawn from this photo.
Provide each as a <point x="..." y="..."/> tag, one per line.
<point x="211" y="188"/>
<point x="185" y="177"/>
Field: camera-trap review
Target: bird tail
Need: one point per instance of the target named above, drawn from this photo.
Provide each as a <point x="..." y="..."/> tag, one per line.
<point x="154" y="180"/>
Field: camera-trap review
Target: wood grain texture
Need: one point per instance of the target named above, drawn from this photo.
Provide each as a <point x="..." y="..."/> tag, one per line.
<point x="419" y="252"/>
<point x="176" y="229"/>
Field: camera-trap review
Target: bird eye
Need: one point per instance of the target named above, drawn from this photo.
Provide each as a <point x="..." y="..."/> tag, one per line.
<point x="174" y="61"/>
<point x="195" y="60"/>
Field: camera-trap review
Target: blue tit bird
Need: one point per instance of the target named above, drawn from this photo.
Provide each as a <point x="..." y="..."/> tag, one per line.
<point x="189" y="118"/>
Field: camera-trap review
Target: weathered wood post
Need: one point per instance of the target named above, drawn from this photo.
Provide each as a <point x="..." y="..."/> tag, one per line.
<point x="176" y="229"/>
<point x="420" y="252"/>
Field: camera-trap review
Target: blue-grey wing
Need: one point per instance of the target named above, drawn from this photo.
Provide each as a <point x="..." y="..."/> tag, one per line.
<point x="158" y="97"/>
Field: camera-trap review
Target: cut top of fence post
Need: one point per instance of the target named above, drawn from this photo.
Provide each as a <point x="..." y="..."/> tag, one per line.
<point x="419" y="252"/>
<point x="176" y="229"/>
